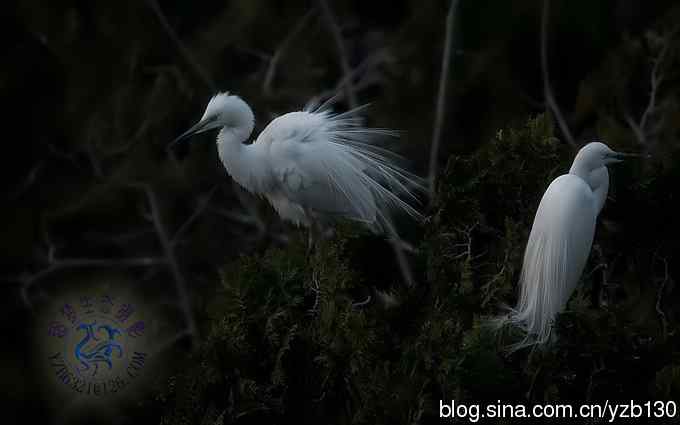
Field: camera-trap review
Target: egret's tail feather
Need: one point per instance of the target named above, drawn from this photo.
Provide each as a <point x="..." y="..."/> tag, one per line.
<point x="316" y="105"/>
<point x="546" y="285"/>
<point x="368" y="175"/>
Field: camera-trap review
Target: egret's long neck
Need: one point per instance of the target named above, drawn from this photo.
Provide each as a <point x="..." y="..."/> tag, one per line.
<point x="580" y="168"/>
<point x="597" y="179"/>
<point x="243" y="162"/>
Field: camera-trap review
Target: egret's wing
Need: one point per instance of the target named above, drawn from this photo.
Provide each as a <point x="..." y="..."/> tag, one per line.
<point x="556" y="253"/>
<point x="311" y="178"/>
<point x="326" y="163"/>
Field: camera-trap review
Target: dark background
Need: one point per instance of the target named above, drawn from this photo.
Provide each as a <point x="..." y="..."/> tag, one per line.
<point x="93" y="92"/>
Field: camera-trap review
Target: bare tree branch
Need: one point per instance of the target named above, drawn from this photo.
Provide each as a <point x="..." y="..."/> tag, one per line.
<point x="597" y="369"/>
<point x="250" y="216"/>
<point x="200" y="208"/>
<point x="95" y="163"/>
<point x="169" y="254"/>
<point x="363" y="69"/>
<point x="400" y="255"/>
<point x="342" y="54"/>
<point x="656" y="78"/>
<point x="263" y="56"/>
<point x="276" y="57"/>
<point x="168" y="258"/>
<point x="362" y="303"/>
<point x="29" y="181"/>
<point x="316" y="289"/>
<point x="441" y="97"/>
<point x="186" y="54"/>
<point x="54" y="265"/>
<point x="659" y="300"/>
<point x="169" y="342"/>
<point x="547" y="88"/>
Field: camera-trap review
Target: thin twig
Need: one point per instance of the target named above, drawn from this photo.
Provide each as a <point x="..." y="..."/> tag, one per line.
<point x="186" y="54"/>
<point x="29" y="181"/>
<point x="659" y="300"/>
<point x="656" y="77"/>
<point x="180" y="283"/>
<point x="94" y="161"/>
<point x="342" y="53"/>
<point x="336" y="94"/>
<point x="55" y="265"/>
<point x="371" y="61"/>
<point x="169" y="342"/>
<point x="239" y="218"/>
<point x="263" y="56"/>
<point x="655" y="81"/>
<point x="68" y="156"/>
<point x="169" y="253"/>
<point x="441" y="97"/>
<point x="251" y="209"/>
<point x="316" y="289"/>
<point x="362" y="303"/>
<point x="637" y="130"/>
<point x="595" y="370"/>
<point x="398" y="248"/>
<point x="276" y="57"/>
<point x="533" y="381"/>
<point x="250" y="220"/>
<point x="200" y="208"/>
<point x="547" y="88"/>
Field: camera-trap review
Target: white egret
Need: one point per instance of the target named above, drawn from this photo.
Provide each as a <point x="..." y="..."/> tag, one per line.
<point x="560" y="242"/>
<point x="311" y="165"/>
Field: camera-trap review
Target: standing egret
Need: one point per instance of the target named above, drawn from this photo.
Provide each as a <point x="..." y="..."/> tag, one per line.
<point x="311" y="165"/>
<point x="560" y="242"/>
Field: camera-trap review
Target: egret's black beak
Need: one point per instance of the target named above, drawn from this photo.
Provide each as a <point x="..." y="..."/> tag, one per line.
<point x="199" y="127"/>
<point x="623" y="155"/>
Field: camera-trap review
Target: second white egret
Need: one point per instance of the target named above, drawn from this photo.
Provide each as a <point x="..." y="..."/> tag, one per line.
<point x="311" y="165"/>
<point x="560" y="241"/>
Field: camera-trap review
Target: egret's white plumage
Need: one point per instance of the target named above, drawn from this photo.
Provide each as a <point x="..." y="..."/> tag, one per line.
<point x="560" y="241"/>
<point x="311" y="164"/>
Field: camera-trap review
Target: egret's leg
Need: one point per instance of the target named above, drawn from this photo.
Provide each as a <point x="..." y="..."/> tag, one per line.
<point x="311" y="235"/>
<point x="310" y="241"/>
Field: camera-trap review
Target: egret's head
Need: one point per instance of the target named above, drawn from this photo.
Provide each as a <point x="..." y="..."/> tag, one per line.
<point x="223" y="110"/>
<point x="596" y="154"/>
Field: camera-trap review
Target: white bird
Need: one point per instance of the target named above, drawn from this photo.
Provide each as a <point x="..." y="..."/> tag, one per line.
<point x="311" y="165"/>
<point x="560" y="241"/>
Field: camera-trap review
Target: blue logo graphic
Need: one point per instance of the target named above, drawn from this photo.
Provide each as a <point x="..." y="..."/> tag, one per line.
<point x="99" y="344"/>
<point x="91" y="356"/>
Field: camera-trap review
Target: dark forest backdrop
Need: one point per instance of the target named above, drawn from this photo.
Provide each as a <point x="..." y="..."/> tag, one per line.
<point x="93" y="91"/>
